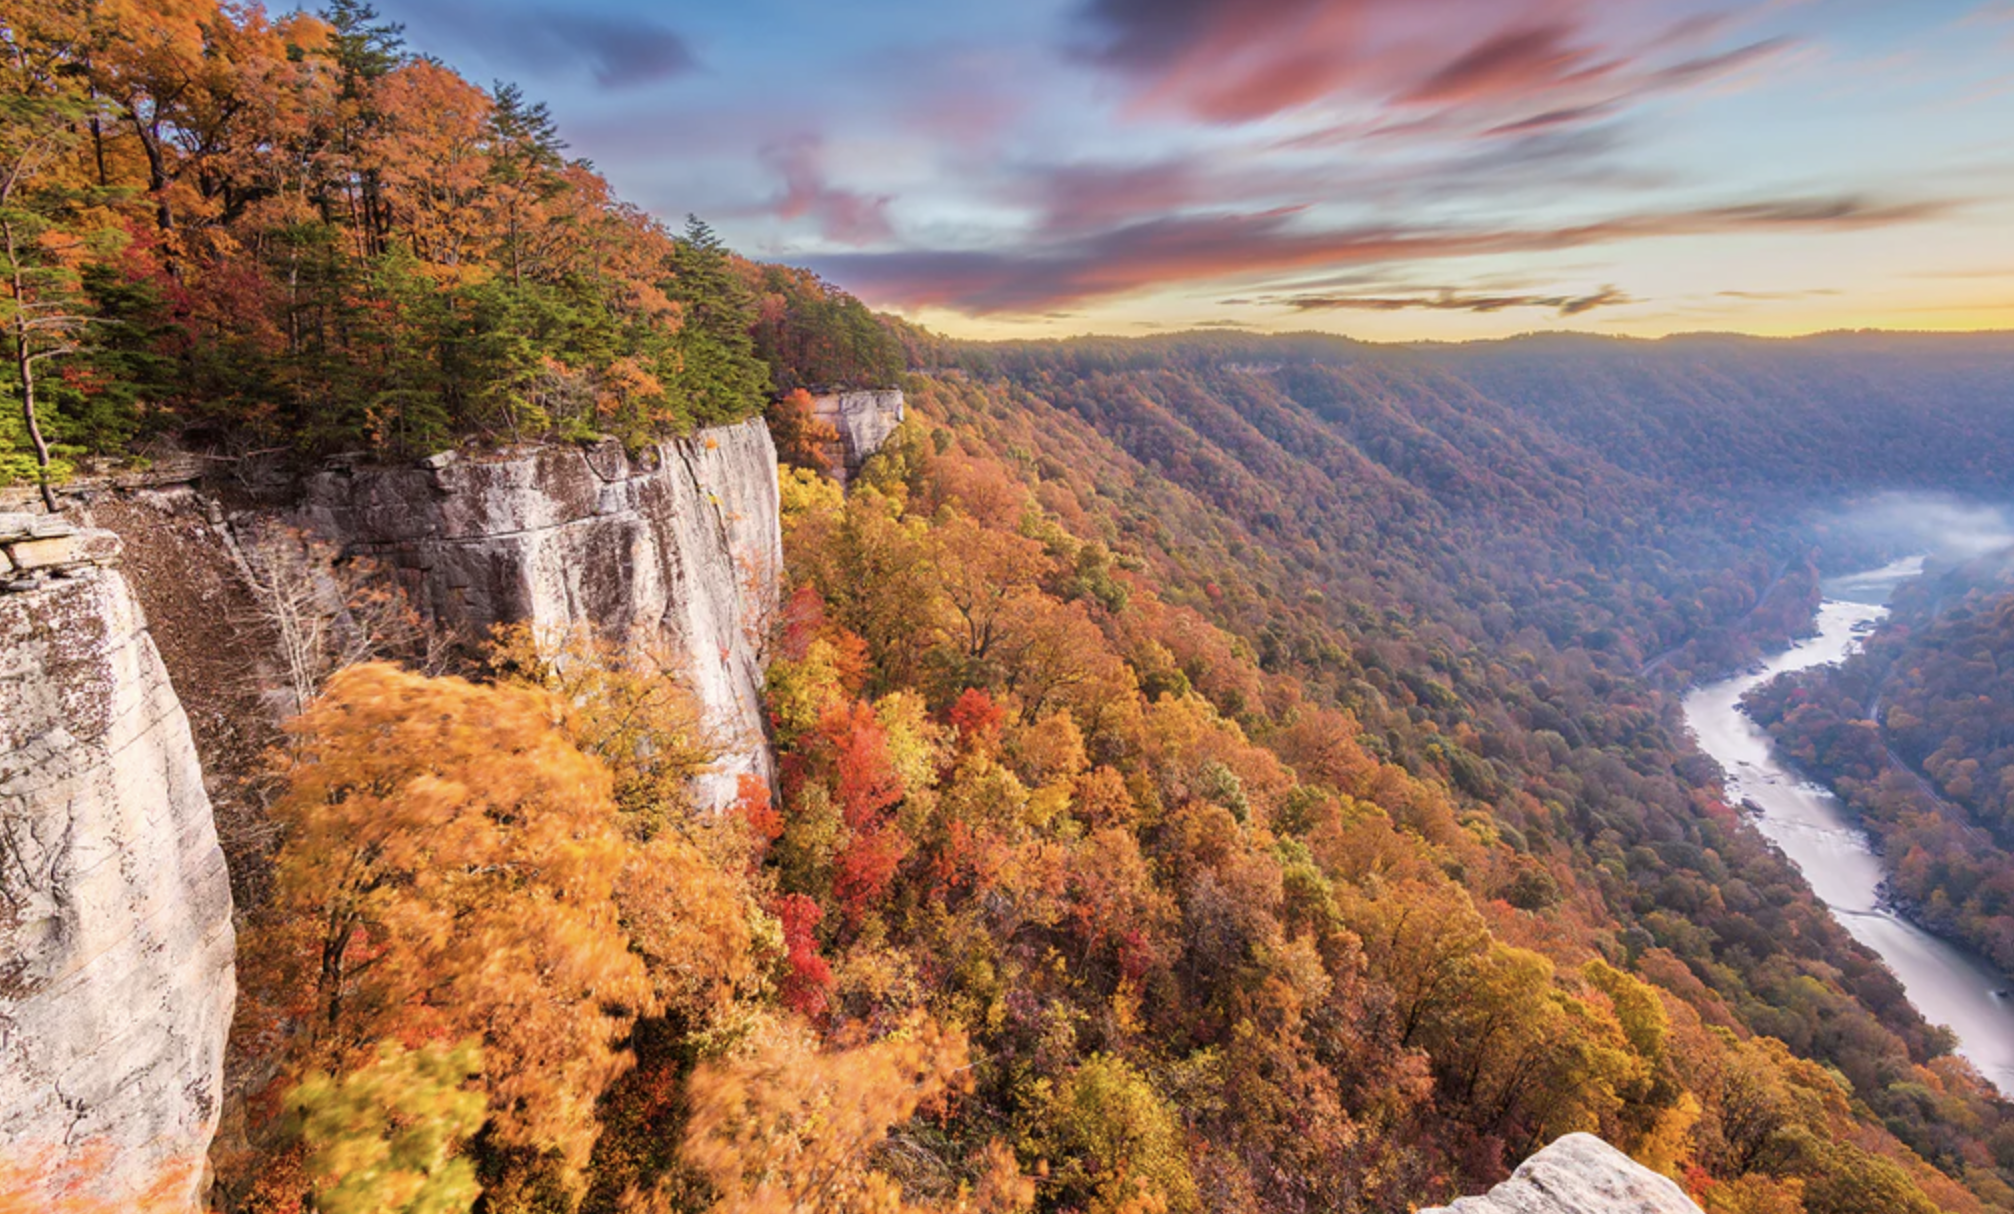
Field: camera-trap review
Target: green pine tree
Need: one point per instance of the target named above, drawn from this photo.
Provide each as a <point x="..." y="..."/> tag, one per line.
<point x="717" y="377"/>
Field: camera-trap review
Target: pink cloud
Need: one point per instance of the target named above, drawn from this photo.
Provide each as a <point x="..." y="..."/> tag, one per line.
<point x="842" y="216"/>
<point x="1177" y="250"/>
<point x="1515" y="62"/>
<point x="1238" y="61"/>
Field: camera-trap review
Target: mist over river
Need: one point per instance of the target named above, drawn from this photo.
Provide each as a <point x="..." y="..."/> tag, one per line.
<point x="1947" y="984"/>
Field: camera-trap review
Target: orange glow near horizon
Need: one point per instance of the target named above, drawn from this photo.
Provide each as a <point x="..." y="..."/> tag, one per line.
<point x="1395" y="170"/>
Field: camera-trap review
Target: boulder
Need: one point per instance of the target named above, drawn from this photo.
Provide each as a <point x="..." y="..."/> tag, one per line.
<point x="1579" y="1174"/>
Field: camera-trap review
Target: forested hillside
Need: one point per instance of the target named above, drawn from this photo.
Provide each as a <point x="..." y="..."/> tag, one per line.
<point x="1148" y="925"/>
<point x="1767" y="421"/>
<point x="1553" y="797"/>
<point x="1216" y="772"/>
<point x="1238" y="852"/>
<point x="1917" y="733"/>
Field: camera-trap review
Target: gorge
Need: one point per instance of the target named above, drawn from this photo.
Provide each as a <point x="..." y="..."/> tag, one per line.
<point x="511" y="706"/>
<point x="1950" y="985"/>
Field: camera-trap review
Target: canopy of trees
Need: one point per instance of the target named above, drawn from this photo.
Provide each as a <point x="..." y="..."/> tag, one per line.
<point x="290" y="231"/>
<point x="1183" y="807"/>
<point x="1070" y="896"/>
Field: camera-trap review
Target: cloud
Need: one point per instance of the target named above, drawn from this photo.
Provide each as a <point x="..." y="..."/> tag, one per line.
<point x="1713" y="67"/>
<point x="842" y="216"/>
<point x="1239" y="61"/>
<point x="1186" y="249"/>
<point x="1776" y="296"/>
<point x="1547" y="120"/>
<point x="619" y="51"/>
<point x="1514" y="62"/>
<point x="1075" y="197"/>
<point x="1227" y="60"/>
<point x="1448" y="300"/>
<point x="1078" y="198"/>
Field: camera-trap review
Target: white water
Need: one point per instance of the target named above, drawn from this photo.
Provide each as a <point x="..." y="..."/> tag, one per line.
<point x="1947" y="984"/>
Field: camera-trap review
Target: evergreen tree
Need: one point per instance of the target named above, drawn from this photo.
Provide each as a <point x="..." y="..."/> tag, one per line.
<point x="718" y="376"/>
<point x="365" y="47"/>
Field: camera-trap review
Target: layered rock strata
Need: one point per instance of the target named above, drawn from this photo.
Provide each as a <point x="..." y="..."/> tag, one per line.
<point x="116" y="979"/>
<point x="682" y="543"/>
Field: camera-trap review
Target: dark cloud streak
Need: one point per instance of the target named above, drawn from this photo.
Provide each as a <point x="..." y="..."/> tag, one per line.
<point x="618" y="51"/>
<point x="1239" y="61"/>
<point x="1515" y="61"/>
<point x="1177" y="250"/>
<point x="1454" y="301"/>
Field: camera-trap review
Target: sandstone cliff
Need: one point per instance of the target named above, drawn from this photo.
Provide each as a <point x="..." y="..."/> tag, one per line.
<point x="864" y="422"/>
<point x="683" y="543"/>
<point x="1579" y="1174"/>
<point x="116" y="979"/>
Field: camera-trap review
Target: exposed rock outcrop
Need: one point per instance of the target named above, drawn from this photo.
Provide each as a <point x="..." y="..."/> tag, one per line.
<point x="864" y="420"/>
<point x="683" y="543"/>
<point x="116" y="979"/>
<point x="1579" y="1174"/>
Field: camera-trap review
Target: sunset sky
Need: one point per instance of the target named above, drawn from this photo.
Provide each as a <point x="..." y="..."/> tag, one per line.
<point x="1390" y="169"/>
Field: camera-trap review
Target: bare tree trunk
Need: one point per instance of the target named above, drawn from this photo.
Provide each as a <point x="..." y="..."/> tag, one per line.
<point x="98" y="136"/>
<point x="157" y="173"/>
<point x="158" y="182"/>
<point x="24" y="366"/>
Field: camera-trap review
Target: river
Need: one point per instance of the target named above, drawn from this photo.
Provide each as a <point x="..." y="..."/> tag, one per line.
<point x="1949" y="985"/>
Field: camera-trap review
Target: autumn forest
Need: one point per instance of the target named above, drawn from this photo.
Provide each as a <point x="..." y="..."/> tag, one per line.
<point x="1213" y="772"/>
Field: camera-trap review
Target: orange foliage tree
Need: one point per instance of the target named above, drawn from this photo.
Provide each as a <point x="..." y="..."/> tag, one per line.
<point x="784" y="1127"/>
<point x="451" y="871"/>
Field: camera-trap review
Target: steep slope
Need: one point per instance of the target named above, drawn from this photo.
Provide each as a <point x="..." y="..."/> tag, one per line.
<point x="1492" y="654"/>
<point x="116" y="980"/>
<point x="117" y="958"/>
<point x="1765" y="420"/>
<point x="679" y="545"/>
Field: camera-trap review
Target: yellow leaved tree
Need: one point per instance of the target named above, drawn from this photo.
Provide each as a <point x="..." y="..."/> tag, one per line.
<point x="450" y="873"/>
<point x="785" y="1127"/>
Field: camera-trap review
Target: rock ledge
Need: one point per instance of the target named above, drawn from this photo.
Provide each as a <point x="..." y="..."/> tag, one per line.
<point x="1578" y="1174"/>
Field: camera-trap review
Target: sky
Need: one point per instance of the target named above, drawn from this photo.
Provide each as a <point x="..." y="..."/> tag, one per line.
<point x="1388" y="169"/>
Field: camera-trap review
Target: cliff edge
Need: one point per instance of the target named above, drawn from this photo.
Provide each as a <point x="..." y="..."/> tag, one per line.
<point x="864" y="422"/>
<point x="116" y="978"/>
<point x="682" y="542"/>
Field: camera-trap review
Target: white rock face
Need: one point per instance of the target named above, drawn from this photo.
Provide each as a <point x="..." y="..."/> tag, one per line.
<point x="116" y="978"/>
<point x="684" y="544"/>
<point x="1579" y="1174"/>
<point x="865" y="420"/>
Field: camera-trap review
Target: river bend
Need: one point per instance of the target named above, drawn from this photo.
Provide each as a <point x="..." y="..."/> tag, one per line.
<point x="1949" y="985"/>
